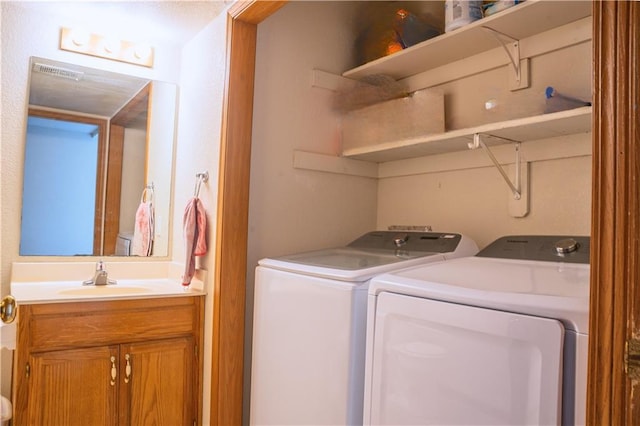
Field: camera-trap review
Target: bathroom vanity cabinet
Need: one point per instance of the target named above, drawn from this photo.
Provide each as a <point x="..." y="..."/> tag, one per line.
<point x="119" y="362"/>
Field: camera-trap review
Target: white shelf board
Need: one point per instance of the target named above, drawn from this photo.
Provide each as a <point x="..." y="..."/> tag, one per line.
<point x="544" y="126"/>
<point x="523" y="20"/>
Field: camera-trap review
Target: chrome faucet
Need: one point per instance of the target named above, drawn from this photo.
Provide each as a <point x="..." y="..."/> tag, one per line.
<point x="101" y="276"/>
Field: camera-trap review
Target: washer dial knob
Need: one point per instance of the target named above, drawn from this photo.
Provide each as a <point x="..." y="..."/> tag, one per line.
<point x="568" y="245"/>
<point x="400" y="240"/>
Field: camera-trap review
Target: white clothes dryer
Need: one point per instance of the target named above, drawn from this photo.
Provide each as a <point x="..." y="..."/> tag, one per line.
<point x="499" y="338"/>
<point x="309" y="324"/>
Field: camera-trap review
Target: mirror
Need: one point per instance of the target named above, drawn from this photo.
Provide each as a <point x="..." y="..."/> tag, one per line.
<point x="98" y="163"/>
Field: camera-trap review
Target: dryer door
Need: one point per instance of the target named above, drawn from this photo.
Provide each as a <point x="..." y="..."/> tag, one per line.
<point x="435" y="363"/>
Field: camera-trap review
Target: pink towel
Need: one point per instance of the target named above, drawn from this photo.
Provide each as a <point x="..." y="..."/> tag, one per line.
<point x="143" y="230"/>
<point x="194" y="225"/>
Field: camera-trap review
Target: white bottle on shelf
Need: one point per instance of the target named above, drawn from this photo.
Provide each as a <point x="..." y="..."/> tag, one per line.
<point x="458" y="13"/>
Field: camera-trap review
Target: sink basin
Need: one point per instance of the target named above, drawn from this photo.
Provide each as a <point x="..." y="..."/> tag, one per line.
<point x="111" y="290"/>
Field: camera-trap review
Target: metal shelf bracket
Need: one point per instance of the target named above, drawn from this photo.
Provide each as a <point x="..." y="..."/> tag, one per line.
<point x="515" y="187"/>
<point x="512" y="49"/>
<point x="519" y="193"/>
<point x="511" y="46"/>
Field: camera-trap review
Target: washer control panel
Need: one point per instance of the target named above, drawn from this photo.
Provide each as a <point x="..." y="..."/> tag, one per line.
<point x="427" y="242"/>
<point x="546" y="248"/>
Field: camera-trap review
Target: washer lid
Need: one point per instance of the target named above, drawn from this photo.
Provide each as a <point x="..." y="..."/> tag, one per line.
<point x="350" y="259"/>
<point x="346" y="263"/>
<point x="375" y="253"/>
<point x="547" y="289"/>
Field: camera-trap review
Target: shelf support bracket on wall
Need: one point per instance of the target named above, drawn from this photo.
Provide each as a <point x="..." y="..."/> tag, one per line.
<point x="519" y="203"/>
<point x="520" y="66"/>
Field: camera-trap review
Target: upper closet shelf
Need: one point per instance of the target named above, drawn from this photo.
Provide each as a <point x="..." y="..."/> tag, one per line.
<point x="544" y="126"/>
<point x="521" y="21"/>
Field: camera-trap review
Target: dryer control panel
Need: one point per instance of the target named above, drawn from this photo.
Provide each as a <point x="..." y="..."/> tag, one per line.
<point x="545" y="248"/>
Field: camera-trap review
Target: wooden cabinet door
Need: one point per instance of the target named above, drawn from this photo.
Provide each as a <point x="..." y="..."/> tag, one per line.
<point x="73" y="387"/>
<point x="159" y="390"/>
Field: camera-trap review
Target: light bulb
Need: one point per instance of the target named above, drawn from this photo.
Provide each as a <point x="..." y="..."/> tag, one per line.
<point x="110" y="44"/>
<point x="79" y="37"/>
<point x="142" y="51"/>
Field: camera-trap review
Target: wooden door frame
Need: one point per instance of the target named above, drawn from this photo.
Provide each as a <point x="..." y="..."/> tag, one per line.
<point x="615" y="210"/>
<point x="233" y="211"/>
<point x="615" y="218"/>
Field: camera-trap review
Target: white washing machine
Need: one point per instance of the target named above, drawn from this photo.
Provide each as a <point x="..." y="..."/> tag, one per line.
<point x="309" y="324"/>
<point x="499" y="338"/>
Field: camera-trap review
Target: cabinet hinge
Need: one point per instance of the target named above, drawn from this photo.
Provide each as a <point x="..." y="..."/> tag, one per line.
<point x="632" y="358"/>
<point x="27" y="370"/>
<point x="195" y="350"/>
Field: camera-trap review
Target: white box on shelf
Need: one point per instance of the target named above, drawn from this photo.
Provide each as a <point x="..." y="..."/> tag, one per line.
<point x="419" y="114"/>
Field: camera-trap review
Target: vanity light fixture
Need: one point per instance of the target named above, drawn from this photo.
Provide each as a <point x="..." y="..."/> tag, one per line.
<point x="75" y="40"/>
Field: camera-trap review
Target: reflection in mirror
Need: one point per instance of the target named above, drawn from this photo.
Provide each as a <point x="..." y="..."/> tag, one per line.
<point x="98" y="163"/>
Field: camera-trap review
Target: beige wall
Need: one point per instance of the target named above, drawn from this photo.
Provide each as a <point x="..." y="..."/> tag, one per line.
<point x="475" y="201"/>
<point x="293" y="209"/>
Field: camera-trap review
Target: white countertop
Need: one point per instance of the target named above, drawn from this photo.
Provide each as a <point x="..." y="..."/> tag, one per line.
<point x="33" y="282"/>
